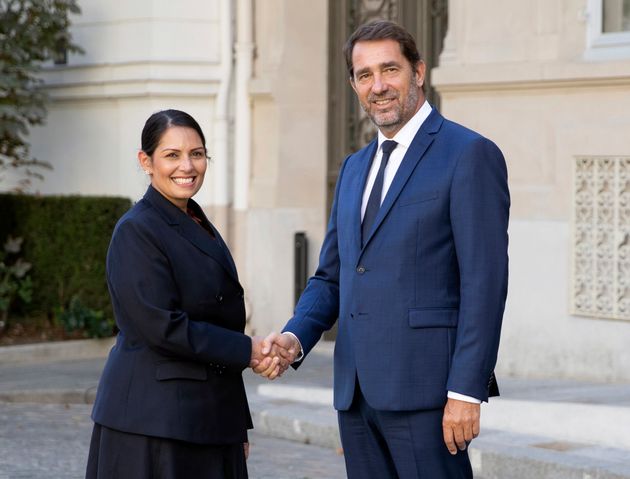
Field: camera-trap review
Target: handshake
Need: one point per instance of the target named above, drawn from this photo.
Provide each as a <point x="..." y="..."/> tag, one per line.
<point x="272" y="355"/>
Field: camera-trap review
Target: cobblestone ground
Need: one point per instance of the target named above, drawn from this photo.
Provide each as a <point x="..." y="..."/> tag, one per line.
<point x="50" y="441"/>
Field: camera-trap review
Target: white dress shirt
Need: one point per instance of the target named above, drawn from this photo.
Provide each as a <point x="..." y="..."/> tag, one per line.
<point x="404" y="137"/>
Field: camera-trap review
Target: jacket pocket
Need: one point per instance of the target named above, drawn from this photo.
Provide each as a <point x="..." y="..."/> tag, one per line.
<point x="180" y="370"/>
<point x="433" y="317"/>
<point x="418" y="197"/>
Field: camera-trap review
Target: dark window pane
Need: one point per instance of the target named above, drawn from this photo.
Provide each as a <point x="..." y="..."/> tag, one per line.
<point x="616" y="16"/>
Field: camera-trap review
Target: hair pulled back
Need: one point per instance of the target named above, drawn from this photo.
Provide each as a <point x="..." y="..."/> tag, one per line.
<point x="161" y="121"/>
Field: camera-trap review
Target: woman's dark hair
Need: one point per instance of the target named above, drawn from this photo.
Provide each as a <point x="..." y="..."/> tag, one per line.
<point x="382" y="30"/>
<point x="161" y="121"/>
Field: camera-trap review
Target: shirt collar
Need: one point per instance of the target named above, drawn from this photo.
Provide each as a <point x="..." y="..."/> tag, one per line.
<point x="407" y="133"/>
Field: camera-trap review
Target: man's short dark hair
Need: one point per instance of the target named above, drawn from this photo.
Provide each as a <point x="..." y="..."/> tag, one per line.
<point x="382" y="30"/>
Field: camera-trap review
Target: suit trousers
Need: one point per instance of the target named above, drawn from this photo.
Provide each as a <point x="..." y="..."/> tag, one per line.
<point x="397" y="444"/>
<point x="120" y="455"/>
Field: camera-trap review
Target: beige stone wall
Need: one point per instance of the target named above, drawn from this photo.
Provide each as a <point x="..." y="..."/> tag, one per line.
<point x="140" y="57"/>
<point x="288" y="171"/>
<point x="523" y="74"/>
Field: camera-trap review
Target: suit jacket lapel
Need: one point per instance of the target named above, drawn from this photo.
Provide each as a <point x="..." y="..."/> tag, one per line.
<point x="358" y="186"/>
<point x="416" y="151"/>
<point x="211" y="247"/>
<point x="191" y="231"/>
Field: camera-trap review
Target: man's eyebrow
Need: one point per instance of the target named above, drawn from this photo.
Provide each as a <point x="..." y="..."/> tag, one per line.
<point x="381" y="66"/>
<point x="389" y="64"/>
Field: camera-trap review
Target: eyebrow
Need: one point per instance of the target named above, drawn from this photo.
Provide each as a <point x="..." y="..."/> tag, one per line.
<point x="380" y="66"/>
<point x="177" y="149"/>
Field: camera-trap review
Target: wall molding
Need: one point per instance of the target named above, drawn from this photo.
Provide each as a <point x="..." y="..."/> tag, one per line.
<point x="492" y="77"/>
<point x="134" y="79"/>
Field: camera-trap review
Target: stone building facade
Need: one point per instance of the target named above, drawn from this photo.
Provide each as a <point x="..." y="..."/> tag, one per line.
<point x="547" y="80"/>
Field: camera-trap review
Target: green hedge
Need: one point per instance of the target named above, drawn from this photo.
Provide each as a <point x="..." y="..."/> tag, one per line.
<point x="66" y="240"/>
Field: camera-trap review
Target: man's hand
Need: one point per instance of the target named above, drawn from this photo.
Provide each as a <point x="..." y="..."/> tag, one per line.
<point x="263" y="363"/>
<point x="282" y="346"/>
<point x="460" y="424"/>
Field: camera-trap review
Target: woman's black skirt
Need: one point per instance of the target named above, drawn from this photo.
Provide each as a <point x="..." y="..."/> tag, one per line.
<point x="120" y="455"/>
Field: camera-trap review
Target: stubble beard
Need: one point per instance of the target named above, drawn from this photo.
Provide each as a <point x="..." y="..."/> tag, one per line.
<point x="394" y="119"/>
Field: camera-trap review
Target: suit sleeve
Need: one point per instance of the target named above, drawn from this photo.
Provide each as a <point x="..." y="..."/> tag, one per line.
<point x="479" y="217"/>
<point x="146" y="300"/>
<point x="318" y="307"/>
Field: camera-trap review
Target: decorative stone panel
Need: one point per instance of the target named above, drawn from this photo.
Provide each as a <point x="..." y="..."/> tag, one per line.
<point x="601" y="241"/>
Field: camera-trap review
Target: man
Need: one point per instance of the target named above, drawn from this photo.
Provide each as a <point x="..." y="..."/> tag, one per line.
<point x="414" y="266"/>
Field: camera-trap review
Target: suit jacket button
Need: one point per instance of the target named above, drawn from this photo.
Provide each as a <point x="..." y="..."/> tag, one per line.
<point x="219" y="297"/>
<point x="360" y="270"/>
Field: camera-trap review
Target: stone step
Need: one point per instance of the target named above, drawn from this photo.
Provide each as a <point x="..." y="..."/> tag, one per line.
<point x="301" y="414"/>
<point x="558" y="420"/>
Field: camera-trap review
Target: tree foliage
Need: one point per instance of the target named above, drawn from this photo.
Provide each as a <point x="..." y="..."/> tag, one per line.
<point x="32" y="32"/>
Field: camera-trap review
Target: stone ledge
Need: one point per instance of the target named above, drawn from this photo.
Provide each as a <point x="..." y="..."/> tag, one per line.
<point x="499" y="454"/>
<point x="50" y="396"/>
<point x="56" y="350"/>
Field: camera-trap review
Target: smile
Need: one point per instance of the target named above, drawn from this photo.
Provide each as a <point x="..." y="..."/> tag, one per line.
<point x="383" y="102"/>
<point x="184" y="181"/>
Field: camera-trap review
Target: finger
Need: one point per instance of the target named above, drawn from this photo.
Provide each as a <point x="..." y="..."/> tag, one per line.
<point x="263" y="365"/>
<point x="260" y="366"/>
<point x="246" y="449"/>
<point x="458" y="433"/>
<point x="268" y="342"/>
<point x="476" y="428"/>
<point x="274" y="374"/>
<point x="468" y="432"/>
<point x="447" y="431"/>
<point x="283" y="363"/>
<point x="271" y="368"/>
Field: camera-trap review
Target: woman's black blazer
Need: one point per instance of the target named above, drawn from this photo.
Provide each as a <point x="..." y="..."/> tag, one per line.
<point x="175" y="371"/>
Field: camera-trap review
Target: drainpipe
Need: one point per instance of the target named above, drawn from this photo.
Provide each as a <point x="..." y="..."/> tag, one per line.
<point x="243" y="135"/>
<point x="220" y="154"/>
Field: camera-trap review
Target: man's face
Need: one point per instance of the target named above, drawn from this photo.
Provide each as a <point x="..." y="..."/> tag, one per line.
<point x="387" y="87"/>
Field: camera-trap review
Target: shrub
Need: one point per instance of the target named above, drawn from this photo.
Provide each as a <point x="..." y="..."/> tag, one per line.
<point x="78" y="317"/>
<point x="15" y="283"/>
<point x="65" y="240"/>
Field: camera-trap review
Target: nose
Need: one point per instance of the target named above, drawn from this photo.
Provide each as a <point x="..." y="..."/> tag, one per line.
<point x="378" y="85"/>
<point x="186" y="163"/>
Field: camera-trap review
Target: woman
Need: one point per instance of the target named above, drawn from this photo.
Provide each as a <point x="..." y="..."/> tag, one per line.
<point x="171" y="401"/>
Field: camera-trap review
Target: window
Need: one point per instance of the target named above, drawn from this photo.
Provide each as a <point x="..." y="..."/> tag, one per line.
<point x="608" y="29"/>
<point x="615" y="16"/>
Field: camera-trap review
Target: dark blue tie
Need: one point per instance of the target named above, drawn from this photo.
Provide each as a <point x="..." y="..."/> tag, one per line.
<point x="374" y="201"/>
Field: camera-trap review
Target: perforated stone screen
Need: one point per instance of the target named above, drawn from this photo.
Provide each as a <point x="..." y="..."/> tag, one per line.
<point x="601" y="241"/>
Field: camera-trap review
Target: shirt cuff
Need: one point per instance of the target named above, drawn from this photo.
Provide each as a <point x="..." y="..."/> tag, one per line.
<point x="300" y="356"/>
<point x="462" y="397"/>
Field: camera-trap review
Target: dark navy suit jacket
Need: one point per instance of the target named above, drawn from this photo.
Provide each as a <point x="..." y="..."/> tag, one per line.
<point x="420" y="305"/>
<point x="175" y="371"/>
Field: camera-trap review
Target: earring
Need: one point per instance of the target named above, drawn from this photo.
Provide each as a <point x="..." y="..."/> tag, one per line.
<point x="147" y="172"/>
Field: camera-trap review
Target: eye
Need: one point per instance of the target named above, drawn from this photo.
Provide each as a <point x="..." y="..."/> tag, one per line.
<point x="172" y="154"/>
<point x="198" y="154"/>
<point x="363" y="77"/>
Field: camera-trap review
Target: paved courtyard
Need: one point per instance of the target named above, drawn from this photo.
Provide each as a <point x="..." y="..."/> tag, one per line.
<point x="50" y="441"/>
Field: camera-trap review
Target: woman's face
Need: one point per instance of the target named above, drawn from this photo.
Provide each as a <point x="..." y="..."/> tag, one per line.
<point x="177" y="166"/>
